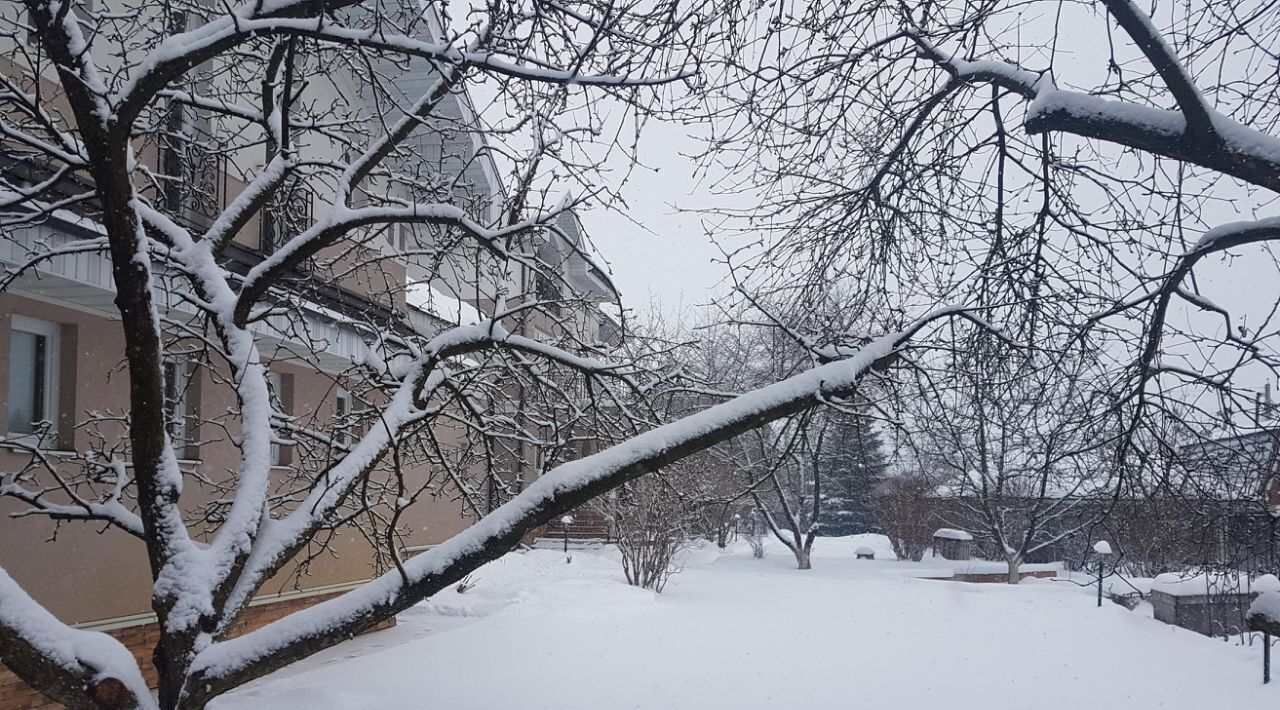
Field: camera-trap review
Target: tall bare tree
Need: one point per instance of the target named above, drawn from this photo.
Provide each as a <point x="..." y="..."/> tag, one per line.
<point x="1025" y="452"/>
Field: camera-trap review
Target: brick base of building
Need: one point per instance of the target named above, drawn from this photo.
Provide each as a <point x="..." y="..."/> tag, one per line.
<point x="141" y="639"/>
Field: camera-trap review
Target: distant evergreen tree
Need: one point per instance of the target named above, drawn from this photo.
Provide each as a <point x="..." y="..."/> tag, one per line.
<point x="851" y="467"/>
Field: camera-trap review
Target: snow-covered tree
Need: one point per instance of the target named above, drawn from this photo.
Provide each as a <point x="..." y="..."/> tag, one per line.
<point x="906" y="510"/>
<point x="106" y="105"/>
<point x="805" y="471"/>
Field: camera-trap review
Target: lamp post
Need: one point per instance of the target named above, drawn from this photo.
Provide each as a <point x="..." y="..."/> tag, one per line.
<point x="565" y="522"/>
<point x="1101" y="550"/>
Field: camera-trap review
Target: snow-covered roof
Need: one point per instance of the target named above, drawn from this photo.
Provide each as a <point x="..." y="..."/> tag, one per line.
<point x="437" y="302"/>
<point x="864" y="550"/>
<point x="1178" y="585"/>
<point x="952" y="534"/>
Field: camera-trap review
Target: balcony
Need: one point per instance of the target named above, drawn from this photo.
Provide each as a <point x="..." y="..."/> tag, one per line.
<point x="84" y="281"/>
<point x="286" y="215"/>
<point x="196" y="187"/>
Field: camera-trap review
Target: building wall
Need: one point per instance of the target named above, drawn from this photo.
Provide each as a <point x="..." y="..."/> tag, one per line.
<point x="84" y="574"/>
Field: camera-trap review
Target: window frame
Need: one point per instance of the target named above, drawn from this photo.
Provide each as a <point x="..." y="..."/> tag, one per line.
<point x="51" y="333"/>
<point x="341" y="416"/>
<point x="275" y="387"/>
<point x="175" y="408"/>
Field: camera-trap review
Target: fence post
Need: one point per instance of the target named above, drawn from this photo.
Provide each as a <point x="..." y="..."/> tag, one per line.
<point x="1099" y="582"/>
<point x="1266" y="657"/>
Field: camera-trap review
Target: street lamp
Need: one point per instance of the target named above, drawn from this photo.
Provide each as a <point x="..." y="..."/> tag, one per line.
<point x="1101" y="550"/>
<point x="565" y="522"/>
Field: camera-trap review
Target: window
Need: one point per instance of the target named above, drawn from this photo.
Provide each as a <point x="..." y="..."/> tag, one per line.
<point x="177" y="378"/>
<point x="281" y="390"/>
<point x="33" y="374"/>
<point x="548" y="291"/>
<point x="341" y="418"/>
<point x="276" y="384"/>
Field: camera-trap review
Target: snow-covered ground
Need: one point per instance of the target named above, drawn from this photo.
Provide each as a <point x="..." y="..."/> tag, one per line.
<point x="736" y="632"/>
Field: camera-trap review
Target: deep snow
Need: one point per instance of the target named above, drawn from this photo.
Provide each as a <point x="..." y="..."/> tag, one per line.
<point x="736" y="632"/>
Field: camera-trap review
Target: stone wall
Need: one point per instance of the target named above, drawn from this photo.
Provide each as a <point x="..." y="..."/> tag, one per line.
<point x="1211" y="615"/>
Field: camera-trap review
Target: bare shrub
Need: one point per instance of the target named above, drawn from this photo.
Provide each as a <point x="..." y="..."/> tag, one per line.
<point x="904" y="510"/>
<point x="653" y="525"/>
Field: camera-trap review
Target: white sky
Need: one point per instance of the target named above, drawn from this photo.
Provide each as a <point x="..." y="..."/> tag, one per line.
<point x="658" y="254"/>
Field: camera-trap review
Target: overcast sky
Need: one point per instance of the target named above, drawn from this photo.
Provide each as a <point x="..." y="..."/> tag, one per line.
<point x="656" y="253"/>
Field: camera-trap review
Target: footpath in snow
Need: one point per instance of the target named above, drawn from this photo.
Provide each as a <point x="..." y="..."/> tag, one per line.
<point x="736" y="632"/>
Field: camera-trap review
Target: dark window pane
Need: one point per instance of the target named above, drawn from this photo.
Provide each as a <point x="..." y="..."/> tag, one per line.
<point x="26" y="381"/>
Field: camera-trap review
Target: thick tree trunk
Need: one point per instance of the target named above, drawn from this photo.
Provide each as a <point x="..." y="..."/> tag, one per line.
<point x="1015" y="565"/>
<point x="802" y="558"/>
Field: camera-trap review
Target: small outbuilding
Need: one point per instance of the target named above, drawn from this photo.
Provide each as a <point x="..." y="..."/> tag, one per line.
<point x="1214" y="604"/>
<point x="865" y="553"/>
<point x="952" y="544"/>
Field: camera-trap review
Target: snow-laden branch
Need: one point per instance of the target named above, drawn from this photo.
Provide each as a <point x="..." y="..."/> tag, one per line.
<point x="282" y="538"/>
<point x="1222" y="144"/>
<point x="1165" y="61"/>
<point x="181" y="52"/>
<point x="53" y="657"/>
<point x="1220" y="238"/>
<point x="229" y="663"/>
<point x="196" y="581"/>
<point x="69" y="149"/>
<point x="112" y="511"/>
<point x="342" y="220"/>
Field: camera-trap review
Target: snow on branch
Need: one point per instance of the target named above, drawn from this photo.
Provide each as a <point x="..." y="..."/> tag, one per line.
<point x="111" y="510"/>
<point x="53" y="657"/>
<point x="1226" y="236"/>
<point x="1221" y="144"/>
<point x="342" y="220"/>
<point x="1165" y="61"/>
<point x="282" y="538"/>
<point x="181" y="52"/>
